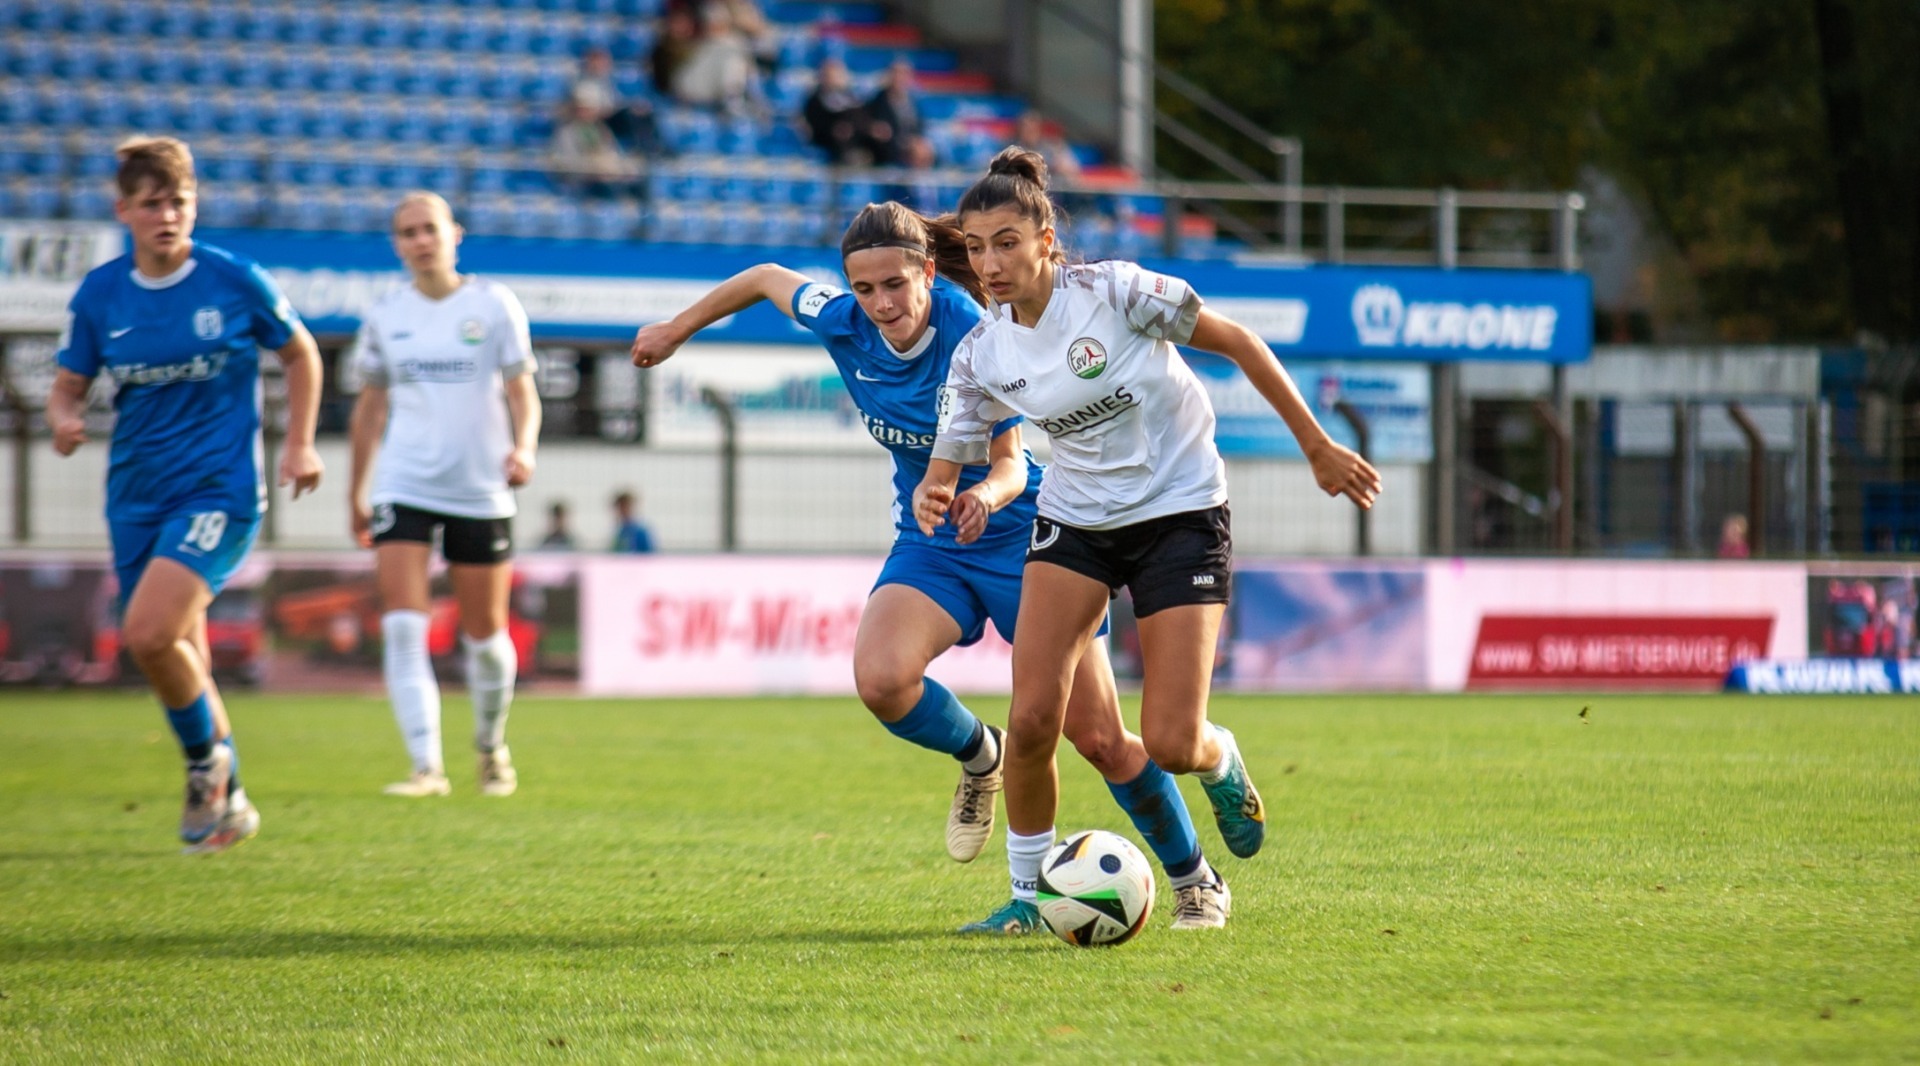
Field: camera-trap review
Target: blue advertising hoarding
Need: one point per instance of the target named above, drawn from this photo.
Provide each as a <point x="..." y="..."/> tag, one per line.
<point x="591" y="290"/>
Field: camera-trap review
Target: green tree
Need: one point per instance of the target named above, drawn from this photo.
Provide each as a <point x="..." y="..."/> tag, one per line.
<point x="1772" y="144"/>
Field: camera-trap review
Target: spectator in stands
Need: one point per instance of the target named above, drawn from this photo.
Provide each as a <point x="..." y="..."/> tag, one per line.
<point x="679" y="33"/>
<point x="836" y="118"/>
<point x="917" y="185"/>
<point x="558" y="538"/>
<point x="629" y="533"/>
<point x="1733" y="538"/>
<point x="720" y="72"/>
<point x="752" y="25"/>
<point x="630" y="121"/>
<point x="893" y="116"/>
<point x="585" y="158"/>
<point x="1035" y="132"/>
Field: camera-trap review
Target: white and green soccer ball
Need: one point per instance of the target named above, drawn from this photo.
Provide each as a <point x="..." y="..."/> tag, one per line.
<point x="1095" y="890"/>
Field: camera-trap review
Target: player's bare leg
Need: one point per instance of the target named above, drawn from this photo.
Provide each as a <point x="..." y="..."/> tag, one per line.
<point x="1178" y="647"/>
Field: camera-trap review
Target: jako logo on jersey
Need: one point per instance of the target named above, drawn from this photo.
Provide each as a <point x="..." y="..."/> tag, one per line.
<point x="198" y="368"/>
<point x="473" y="331"/>
<point x="1382" y="320"/>
<point x="1013" y="386"/>
<point x="1086" y="357"/>
<point x="438" y="369"/>
<point x="208" y="322"/>
<point x="1101" y="410"/>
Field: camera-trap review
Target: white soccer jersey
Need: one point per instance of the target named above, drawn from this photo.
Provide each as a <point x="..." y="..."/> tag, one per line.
<point x="443" y="364"/>
<point x="1132" y="429"/>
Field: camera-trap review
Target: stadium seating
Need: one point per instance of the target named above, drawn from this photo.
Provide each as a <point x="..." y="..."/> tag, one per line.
<point x="309" y="116"/>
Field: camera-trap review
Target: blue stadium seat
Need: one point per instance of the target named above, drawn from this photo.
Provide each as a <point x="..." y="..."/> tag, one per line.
<point x="61" y="105"/>
<point x="488" y="214"/>
<point x="230" y="168"/>
<point x="91" y="199"/>
<point x="89" y="19"/>
<point x="366" y="211"/>
<point x="37" y="198"/>
<point x="257" y="24"/>
<point x="254" y="73"/>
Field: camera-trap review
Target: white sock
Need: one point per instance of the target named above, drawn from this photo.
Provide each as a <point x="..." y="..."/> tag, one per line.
<point x="1024" y="855"/>
<point x="1199" y="875"/>
<point x="492" y="666"/>
<point x="988" y="754"/>
<point x="411" y="687"/>
<point x="1219" y="772"/>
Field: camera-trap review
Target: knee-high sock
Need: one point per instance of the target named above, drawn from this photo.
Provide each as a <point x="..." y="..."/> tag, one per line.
<point x="492" y="667"/>
<point x="1153" y="801"/>
<point x="940" y="722"/>
<point x="193" y="727"/>
<point x="411" y="687"/>
<point x="1024" y="855"/>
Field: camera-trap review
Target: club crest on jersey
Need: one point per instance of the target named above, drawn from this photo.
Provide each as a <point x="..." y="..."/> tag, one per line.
<point x="1086" y="357"/>
<point x="208" y="322"/>
<point x="473" y="331"/>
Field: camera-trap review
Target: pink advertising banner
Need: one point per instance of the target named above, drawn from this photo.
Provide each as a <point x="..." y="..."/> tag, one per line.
<point x="1600" y="624"/>
<point x="742" y="625"/>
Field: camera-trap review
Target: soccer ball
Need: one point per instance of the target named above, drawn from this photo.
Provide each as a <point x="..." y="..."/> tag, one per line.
<point x="1095" y="889"/>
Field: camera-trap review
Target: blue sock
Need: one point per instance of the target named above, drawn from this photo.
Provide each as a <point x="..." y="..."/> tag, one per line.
<point x="940" y="722"/>
<point x="1153" y="801"/>
<point x="193" y="724"/>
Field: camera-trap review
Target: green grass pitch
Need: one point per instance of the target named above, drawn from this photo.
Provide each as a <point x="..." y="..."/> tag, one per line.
<point x="1471" y="880"/>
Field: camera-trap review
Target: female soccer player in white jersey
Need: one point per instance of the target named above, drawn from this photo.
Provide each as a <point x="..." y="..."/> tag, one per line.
<point x="179" y="326"/>
<point x="449" y="404"/>
<point x="1136" y="496"/>
<point x="914" y="296"/>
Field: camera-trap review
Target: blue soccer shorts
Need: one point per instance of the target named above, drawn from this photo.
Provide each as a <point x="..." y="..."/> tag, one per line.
<point x="971" y="586"/>
<point x="210" y="543"/>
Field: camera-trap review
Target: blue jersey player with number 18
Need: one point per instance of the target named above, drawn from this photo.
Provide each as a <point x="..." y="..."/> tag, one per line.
<point x="914" y="297"/>
<point x="178" y="327"/>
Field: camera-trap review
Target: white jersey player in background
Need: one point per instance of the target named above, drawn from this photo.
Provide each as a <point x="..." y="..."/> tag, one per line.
<point x="1136" y="497"/>
<point x="449" y="404"/>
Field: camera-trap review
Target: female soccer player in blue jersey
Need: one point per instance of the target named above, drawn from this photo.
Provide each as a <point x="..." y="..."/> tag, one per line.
<point x="914" y="297"/>
<point x="1136" y="496"/>
<point x="178" y="326"/>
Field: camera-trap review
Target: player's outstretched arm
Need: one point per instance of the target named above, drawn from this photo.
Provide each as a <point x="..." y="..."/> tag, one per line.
<point x="67" y="410"/>
<point x="934" y="495"/>
<point x="523" y="411"/>
<point x="300" y="464"/>
<point x="653" y="344"/>
<point x="1339" y="470"/>
<point x="364" y="430"/>
<point x="1006" y="479"/>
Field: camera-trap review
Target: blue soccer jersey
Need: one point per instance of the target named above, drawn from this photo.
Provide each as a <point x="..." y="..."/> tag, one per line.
<point x="898" y="396"/>
<point x="184" y="354"/>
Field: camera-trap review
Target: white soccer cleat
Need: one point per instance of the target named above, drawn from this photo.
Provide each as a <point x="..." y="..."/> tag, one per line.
<point x="970" y="820"/>
<point x="422" y="783"/>
<point x="496" y="773"/>
<point x="236" y="826"/>
<point x="1203" y="906"/>
<point x="206" y="795"/>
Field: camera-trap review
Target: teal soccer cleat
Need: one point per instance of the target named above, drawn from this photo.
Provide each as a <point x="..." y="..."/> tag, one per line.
<point x="1236" y="804"/>
<point x="1016" y="917"/>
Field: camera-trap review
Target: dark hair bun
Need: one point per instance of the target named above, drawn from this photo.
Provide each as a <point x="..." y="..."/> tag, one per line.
<point x="1020" y="163"/>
